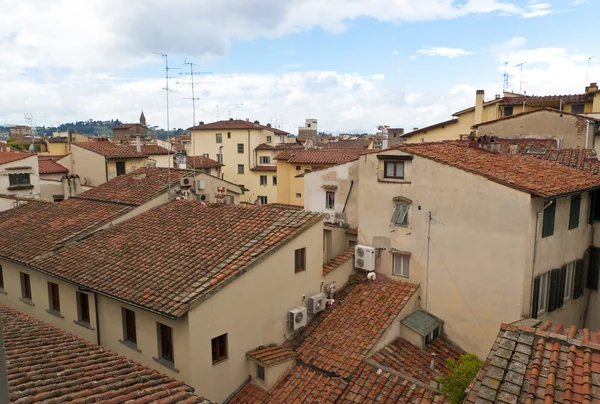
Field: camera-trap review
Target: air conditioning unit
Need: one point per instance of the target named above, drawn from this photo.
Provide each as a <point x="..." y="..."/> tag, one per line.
<point x="316" y="303"/>
<point x="330" y="218"/>
<point x="186" y="182"/>
<point x="364" y="257"/>
<point x="297" y="318"/>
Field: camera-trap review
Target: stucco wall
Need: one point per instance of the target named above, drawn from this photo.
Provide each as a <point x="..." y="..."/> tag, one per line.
<point x="251" y="316"/>
<point x="483" y="222"/>
<point x="162" y="160"/>
<point x="90" y="167"/>
<point x="49" y="188"/>
<point x="29" y="165"/>
<point x="130" y="166"/>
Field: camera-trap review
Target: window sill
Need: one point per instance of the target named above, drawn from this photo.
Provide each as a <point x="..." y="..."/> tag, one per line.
<point x="55" y="313"/>
<point x="401" y="276"/>
<point x="166" y="363"/>
<point x="393" y="181"/>
<point x="299" y="271"/>
<point x="26" y="301"/>
<point x="84" y="325"/>
<point x="220" y="361"/>
<point x="130" y="345"/>
<point x="18" y="187"/>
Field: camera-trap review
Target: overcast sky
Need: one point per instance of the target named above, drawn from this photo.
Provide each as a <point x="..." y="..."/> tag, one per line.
<point x="352" y="64"/>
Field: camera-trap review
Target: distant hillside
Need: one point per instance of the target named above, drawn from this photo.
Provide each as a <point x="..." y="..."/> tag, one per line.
<point x="98" y="128"/>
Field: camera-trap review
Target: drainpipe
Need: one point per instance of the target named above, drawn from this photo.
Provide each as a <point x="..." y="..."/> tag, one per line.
<point x="587" y="133"/>
<point x="106" y="168"/>
<point x="3" y="371"/>
<point x="537" y="220"/>
<point x="97" y="318"/>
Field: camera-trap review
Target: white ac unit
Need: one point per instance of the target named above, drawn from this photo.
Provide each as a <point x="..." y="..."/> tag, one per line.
<point x="364" y="257"/>
<point x="316" y="303"/>
<point x="330" y="218"/>
<point x="186" y="182"/>
<point x="297" y="318"/>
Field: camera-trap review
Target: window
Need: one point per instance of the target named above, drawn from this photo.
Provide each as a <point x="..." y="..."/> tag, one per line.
<point x="18" y="180"/>
<point x="25" y="286"/>
<point x="577" y="108"/>
<point x="298" y="168"/>
<point x="578" y="280"/>
<point x="219" y="348"/>
<point x="269" y="139"/>
<point x="300" y="260"/>
<point x="240" y="169"/>
<point x="228" y="135"/>
<point x="569" y="270"/>
<point x="593" y="274"/>
<point x="508" y="110"/>
<point x="165" y="342"/>
<point x="274" y="180"/>
<point x="548" y="224"/>
<point x="83" y="307"/>
<point x="400" y="217"/>
<point x="220" y="158"/>
<point x="394" y="169"/>
<point x="401" y="265"/>
<point x="262" y="200"/>
<point x="219" y="138"/>
<point x="260" y="372"/>
<point x="53" y="297"/>
<point x="540" y="287"/>
<point x="574" y="211"/>
<point x="307" y="170"/>
<point x="207" y="171"/>
<point x="265" y="160"/>
<point x="352" y="243"/>
<point x="263" y="180"/>
<point x="240" y="148"/>
<point x="129" y="331"/>
<point x="120" y="168"/>
<point x="298" y="195"/>
<point x="205" y="155"/>
<point x="329" y="199"/>
<point x="1" y="278"/>
<point x="433" y="335"/>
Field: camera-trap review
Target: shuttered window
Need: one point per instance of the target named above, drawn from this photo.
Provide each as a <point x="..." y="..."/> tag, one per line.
<point x="535" y="299"/>
<point x="553" y="290"/>
<point x="578" y="283"/>
<point x="594" y="206"/>
<point x="594" y="269"/>
<point x="574" y="211"/>
<point x="562" y="279"/>
<point x="548" y="223"/>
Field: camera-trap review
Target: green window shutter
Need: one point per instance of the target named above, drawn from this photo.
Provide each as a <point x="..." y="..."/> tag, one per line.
<point x="593" y="269"/>
<point x="553" y="290"/>
<point x="548" y="223"/>
<point x="574" y="211"/>
<point x="562" y="280"/>
<point x="535" y="297"/>
<point x="579" y="282"/>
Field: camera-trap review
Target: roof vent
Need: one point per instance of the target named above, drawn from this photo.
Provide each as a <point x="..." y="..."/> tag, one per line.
<point x="201" y="123"/>
<point x="497" y="96"/>
<point x="231" y="119"/>
<point x="268" y="125"/>
<point x="256" y="122"/>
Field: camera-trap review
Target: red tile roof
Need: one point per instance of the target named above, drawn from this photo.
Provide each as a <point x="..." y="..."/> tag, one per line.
<point x="582" y="159"/>
<point x="237" y="124"/>
<point x="45" y="364"/>
<point x="338" y="260"/>
<point x="521" y="172"/>
<point x="347" y="144"/>
<point x="435" y="125"/>
<point x="169" y="257"/>
<point x="280" y="146"/>
<point x="270" y="355"/>
<point x="544" y="364"/>
<point x="32" y="230"/>
<point x="264" y="168"/>
<point x="153" y="150"/>
<point x="135" y="188"/>
<point x="533" y="111"/>
<point x="320" y="156"/>
<point x="284" y="206"/>
<point x="203" y="162"/>
<point x="51" y="167"/>
<point x="567" y="98"/>
<point x="110" y="150"/>
<point x="9" y="157"/>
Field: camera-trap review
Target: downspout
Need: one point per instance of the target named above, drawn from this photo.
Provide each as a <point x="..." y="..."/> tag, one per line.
<point x="249" y="162"/>
<point x="106" y="168"/>
<point x="537" y="220"/>
<point x="97" y="318"/>
<point x="587" y="302"/>
<point x="587" y="133"/>
<point x="348" y="196"/>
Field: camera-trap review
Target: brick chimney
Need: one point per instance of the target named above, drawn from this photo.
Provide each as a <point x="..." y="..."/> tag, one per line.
<point x="592" y="88"/>
<point x="478" y="118"/>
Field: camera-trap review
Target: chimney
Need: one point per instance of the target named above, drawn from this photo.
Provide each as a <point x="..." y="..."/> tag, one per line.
<point x="138" y="144"/>
<point x="478" y="118"/>
<point x="77" y="184"/>
<point x="432" y="364"/>
<point x="65" y="186"/>
<point x="592" y="88"/>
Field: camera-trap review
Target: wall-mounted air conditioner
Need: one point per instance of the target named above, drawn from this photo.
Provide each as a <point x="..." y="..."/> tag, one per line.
<point x="316" y="303"/>
<point x="364" y="257"/>
<point x="330" y="218"/>
<point x="186" y="182"/>
<point x="297" y="318"/>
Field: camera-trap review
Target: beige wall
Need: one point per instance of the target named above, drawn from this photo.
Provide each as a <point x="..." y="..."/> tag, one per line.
<point x="479" y="226"/>
<point x="40" y="302"/>
<point x="130" y="166"/>
<point x="291" y="186"/>
<point x="272" y="373"/>
<point x="251" y="325"/>
<point x="29" y="165"/>
<point x="162" y="160"/>
<point x="541" y="124"/>
<point x="56" y="149"/>
<point x="211" y="185"/>
<point x="91" y="167"/>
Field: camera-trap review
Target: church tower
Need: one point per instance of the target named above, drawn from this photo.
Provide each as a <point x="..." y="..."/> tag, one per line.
<point x="142" y="119"/>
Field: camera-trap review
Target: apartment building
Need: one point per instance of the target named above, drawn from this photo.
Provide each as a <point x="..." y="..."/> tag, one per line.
<point x="19" y="174"/>
<point x="491" y="213"/>
<point x="247" y="150"/>
<point x="460" y="126"/>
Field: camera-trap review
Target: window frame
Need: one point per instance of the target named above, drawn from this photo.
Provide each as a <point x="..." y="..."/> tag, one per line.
<point x="548" y="231"/>
<point x="53" y="297"/>
<point x="398" y="212"/>
<point x="165" y="341"/>
<point x="79" y="297"/>
<point x="240" y="148"/>
<point x="568" y="292"/>
<point x="508" y="108"/>
<point x="300" y="260"/>
<point x="395" y="164"/>
<point x="264" y="159"/>
<point x="25" y="286"/>
<point x="14" y="180"/>
<point x="241" y="169"/>
<point x="263" y="180"/>
<point x="543" y="292"/>
<point x="404" y="261"/>
<point x="269" y="139"/>
<point x="275" y="180"/>
<point x="263" y="200"/>
<point x="127" y="321"/>
<point x="218" y="138"/>
<point x="329" y="204"/>
<point x="298" y="168"/>
<point x="228" y="135"/>
<point x="219" y="348"/>
<point x="582" y="106"/>
<point x="298" y="195"/>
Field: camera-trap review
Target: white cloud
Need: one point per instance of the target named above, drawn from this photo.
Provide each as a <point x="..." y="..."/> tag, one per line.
<point x="578" y="2"/>
<point x="395" y="52"/>
<point x="536" y="8"/>
<point x="412" y="57"/>
<point x="445" y="52"/>
<point x="378" y="76"/>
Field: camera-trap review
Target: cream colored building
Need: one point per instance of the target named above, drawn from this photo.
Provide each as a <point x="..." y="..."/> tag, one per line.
<point x="460" y="126"/>
<point x="491" y="238"/>
<point x="19" y="175"/>
<point x="247" y="151"/>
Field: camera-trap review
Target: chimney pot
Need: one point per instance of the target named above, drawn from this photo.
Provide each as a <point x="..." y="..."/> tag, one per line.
<point x="480" y="92"/>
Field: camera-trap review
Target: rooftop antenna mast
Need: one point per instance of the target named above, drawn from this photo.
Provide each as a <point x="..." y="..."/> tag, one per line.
<point x="29" y="118"/>
<point x="520" y="65"/>
<point x="587" y="80"/>
<point x="506" y="76"/>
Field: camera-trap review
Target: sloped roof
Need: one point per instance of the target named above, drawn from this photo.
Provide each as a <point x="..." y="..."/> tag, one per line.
<point x="426" y="128"/>
<point x="539" y="362"/>
<point x="9" y="157"/>
<point x="167" y="258"/>
<point x="524" y="173"/>
<point x="270" y="355"/>
<point x="154" y="150"/>
<point x="338" y="260"/>
<point x="110" y="150"/>
<point x="531" y="112"/>
<point x="567" y="98"/>
<point x="135" y="188"/>
<point x="264" y="168"/>
<point x="48" y="166"/>
<point x="237" y="124"/>
<point x="46" y="364"/>
<point x="581" y="159"/>
<point x="321" y="156"/>
<point x="34" y="229"/>
<point x="203" y="162"/>
<point x="280" y="146"/>
<point x="347" y="144"/>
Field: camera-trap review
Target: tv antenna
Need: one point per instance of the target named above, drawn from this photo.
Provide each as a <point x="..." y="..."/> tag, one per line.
<point x="520" y="66"/>
<point x="506" y="76"/>
<point x="587" y="80"/>
<point x="29" y="118"/>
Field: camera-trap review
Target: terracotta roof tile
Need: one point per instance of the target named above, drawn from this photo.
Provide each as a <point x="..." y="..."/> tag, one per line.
<point x="9" y="157"/>
<point x="189" y="248"/>
<point x="581" y="159"/>
<point x="237" y="124"/>
<point x="533" y="111"/>
<point x="45" y="364"/>
<point x="338" y="260"/>
<point x="270" y="355"/>
<point x="35" y="229"/>
<point x="51" y="167"/>
<point x="203" y="162"/>
<point x="264" y="168"/>
<point x="521" y="172"/>
<point x="153" y="150"/>
<point x="543" y="364"/>
<point x="135" y="188"/>
<point x="110" y="150"/>
<point x="567" y="98"/>
<point x="347" y="144"/>
<point x="320" y="156"/>
<point x="280" y="146"/>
